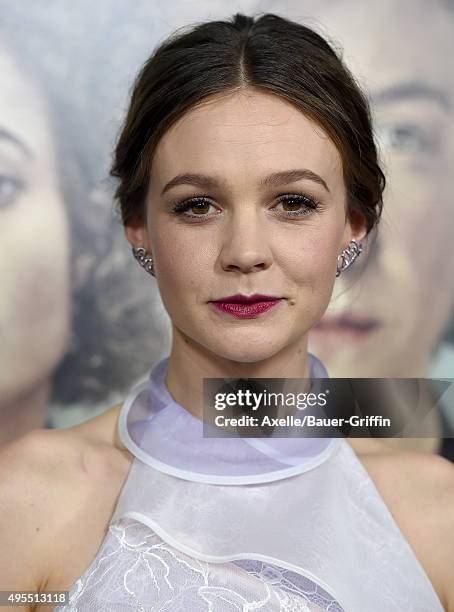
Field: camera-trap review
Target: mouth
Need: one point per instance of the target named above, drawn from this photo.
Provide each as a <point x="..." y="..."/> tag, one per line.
<point x="239" y="298"/>
<point x="348" y="322"/>
<point x="246" y="307"/>
<point x="346" y="327"/>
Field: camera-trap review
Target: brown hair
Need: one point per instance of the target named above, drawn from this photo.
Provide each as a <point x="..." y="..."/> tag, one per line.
<point x="269" y="53"/>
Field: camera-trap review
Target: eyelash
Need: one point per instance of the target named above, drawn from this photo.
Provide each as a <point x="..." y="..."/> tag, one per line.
<point x="180" y="207"/>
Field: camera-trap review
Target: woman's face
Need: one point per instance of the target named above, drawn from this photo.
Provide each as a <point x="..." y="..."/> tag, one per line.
<point x="34" y="267"/>
<point x="244" y="237"/>
<point x="400" y="303"/>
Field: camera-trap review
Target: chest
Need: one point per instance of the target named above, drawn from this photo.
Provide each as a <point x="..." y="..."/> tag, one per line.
<point x="83" y="527"/>
<point x="145" y="572"/>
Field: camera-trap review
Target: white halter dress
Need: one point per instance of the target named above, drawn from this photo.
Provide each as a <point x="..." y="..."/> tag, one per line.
<point x="254" y="524"/>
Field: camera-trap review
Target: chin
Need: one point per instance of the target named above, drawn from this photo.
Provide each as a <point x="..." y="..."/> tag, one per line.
<point x="245" y="354"/>
<point x="244" y="350"/>
<point x="366" y="364"/>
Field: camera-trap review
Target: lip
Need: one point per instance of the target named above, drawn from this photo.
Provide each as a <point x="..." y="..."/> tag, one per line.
<point x="239" y="298"/>
<point x="353" y="323"/>
<point x="242" y="310"/>
<point x="339" y="333"/>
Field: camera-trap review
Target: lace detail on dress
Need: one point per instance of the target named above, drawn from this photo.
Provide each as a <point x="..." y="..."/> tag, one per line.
<point x="136" y="570"/>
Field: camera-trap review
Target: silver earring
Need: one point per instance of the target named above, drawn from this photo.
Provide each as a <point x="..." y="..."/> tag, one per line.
<point x="145" y="260"/>
<point x="348" y="256"/>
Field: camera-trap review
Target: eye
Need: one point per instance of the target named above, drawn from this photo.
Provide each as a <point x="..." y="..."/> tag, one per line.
<point x="405" y="138"/>
<point x="299" y="205"/>
<point x="294" y="205"/>
<point x="200" y="204"/>
<point x="10" y="187"/>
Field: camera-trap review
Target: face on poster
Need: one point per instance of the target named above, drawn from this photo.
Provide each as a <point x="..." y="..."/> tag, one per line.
<point x="34" y="268"/>
<point x="389" y="311"/>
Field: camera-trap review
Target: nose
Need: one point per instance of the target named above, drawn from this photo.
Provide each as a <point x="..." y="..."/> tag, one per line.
<point x="245" y="246"/>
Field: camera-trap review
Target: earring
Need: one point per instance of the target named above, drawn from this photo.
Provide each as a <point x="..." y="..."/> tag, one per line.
<point x="145" y="260"/>
<point x="348" y="256"/>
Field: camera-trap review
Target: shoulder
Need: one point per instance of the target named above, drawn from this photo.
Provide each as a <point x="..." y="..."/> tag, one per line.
<point x="406" y="476"/>
<point x="48" y="478"/>
<point x="418" y="489"/>
<point x="33" y="469"/>
<point x="84" y="451"/>
<point x="30" y="463"/>
<point x="54" y="451"/>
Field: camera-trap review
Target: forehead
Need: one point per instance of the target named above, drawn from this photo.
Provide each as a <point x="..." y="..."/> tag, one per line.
<point x="388" y="42"/>
<point x="246" y="130"/>
<point x="23" y="111"/>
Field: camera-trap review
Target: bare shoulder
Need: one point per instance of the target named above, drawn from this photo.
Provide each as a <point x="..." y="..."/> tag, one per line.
<point x="418" y="489"/>
<point x="32" y="470"/>
<point x="48" y="480"/>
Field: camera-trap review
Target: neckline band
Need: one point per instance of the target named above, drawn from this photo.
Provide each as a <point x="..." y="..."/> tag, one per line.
<point x="163" y="434"/>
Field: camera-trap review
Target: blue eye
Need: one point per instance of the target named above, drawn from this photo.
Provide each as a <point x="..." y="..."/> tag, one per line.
<point x="10" y="187"/>
<point x="201" y="204"/>
<point x="405" y="138"/>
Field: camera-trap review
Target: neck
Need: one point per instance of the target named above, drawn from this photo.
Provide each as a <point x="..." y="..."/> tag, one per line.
<point x="189" y="363"/>
<point x="24" y="413"/>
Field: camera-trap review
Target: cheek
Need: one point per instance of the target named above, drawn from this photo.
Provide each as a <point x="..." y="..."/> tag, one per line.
<point x="184" y="264"/>
<point x="34" y="308"/>
<point x="35" y="234"/>
<point x="308" y="262"/>
<point x="310" y="259"/>
<point x="419" y="228"/>
<point x="419" y="199"/>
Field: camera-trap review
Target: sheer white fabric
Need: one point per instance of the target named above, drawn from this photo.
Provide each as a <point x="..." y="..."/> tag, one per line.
<point x="320" y="539"/>
<point x="137" y="570"/>
<point x="377" y="571"/>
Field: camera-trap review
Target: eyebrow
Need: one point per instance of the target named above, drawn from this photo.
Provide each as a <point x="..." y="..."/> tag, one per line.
<point x="10" y="137"/>
<point x="273" y="180"/>
<point x="412" y="90"/>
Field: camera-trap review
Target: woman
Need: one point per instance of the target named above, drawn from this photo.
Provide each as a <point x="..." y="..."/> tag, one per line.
<point x="34" y="232"/>
<point x="59" y="278"/>
<point x="411" y="88"/>
<point x="247" y="166"/>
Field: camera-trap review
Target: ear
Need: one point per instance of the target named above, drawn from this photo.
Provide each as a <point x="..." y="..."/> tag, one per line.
<point x="137" y="235"/>
<point x="356" y="226"/>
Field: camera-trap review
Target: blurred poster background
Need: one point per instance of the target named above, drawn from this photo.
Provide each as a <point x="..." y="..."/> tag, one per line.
<point x="80" y="322"/>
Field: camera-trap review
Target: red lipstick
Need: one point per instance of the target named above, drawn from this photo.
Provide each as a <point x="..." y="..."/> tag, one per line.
<point x="246" y="306"/>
